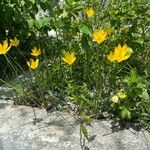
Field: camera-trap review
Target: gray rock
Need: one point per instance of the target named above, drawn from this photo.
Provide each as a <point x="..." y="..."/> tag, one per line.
<point x="6" y="93"/>
<point x="60" y="131"/>
<point x="9" y="145"/>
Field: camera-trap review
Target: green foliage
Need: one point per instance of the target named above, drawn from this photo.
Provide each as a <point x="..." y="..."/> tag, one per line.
<point x="137" y="101"/>
<point x="91" y="80"/>
<point x="125" y="113"/>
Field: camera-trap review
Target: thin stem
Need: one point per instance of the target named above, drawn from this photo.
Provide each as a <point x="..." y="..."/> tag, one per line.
<point x="20" y="52"/>
<point x="10" y="63"/>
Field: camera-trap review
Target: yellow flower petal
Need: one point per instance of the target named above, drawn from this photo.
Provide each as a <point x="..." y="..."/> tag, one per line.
<point x="111" y="57"/>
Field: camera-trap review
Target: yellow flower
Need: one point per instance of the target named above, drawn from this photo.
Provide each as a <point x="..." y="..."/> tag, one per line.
<point x="69" y="58"/>
<point x="89" y="11"/>
<point x="120" y="53"/>
<point x="33" y="64"/>
<point x="99" y="36"/>
<point x="121" y="94"/>
<point x="35" y="52"/>
<point x="14" y="42"/>
<point x="115" y="99"/>
<point x="4" y="48"/>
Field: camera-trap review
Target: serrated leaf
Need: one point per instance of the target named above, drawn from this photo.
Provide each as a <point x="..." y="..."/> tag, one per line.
<point x="84" y="131"/>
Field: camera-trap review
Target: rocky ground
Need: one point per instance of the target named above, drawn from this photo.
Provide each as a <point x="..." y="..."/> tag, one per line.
<point x="60" y="131"/>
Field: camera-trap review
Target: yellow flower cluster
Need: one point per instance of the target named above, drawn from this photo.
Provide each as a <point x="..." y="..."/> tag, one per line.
<point x="120" y="53"/>
<point x="34" y="63"/>
<point x="100" y="35"/>
<point x="5" y="46"/>
<point x="120" y="95"/>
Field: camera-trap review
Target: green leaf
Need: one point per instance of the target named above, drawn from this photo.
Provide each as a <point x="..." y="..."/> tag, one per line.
<point x="145" y="95"/>
<point x="133" y="75"/>
<point x="33" y="1"/>
<point x="141" y="85"/>
<point x="84" y="29"/>
<point x="84" y="42"/>
<point x="84" y="131"/>
<point x="139" y="41"/>
<point x="132" y="78"/>
<point x="79" y="7"/>
<point x="147" y="73"/>
<point x="30" y="23"/>
<point x="44" y="21"/>
<point x="125" y="113"/>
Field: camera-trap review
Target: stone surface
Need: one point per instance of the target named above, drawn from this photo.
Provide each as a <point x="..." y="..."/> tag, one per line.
<point x="8" y="145"/>
<point x="60" y="131"/>
<point x="6" y="93"/>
